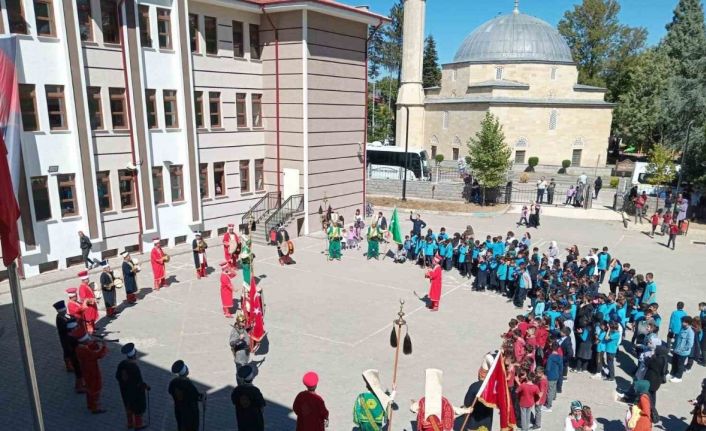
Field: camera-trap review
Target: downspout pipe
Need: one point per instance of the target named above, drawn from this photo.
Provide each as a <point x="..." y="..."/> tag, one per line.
<point x="128" y="99"/>
<point x="277" y="115"/>
<point x="365" y="128"/>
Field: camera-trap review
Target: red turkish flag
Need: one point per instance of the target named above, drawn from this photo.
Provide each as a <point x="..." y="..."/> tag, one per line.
<point x="256" y="318"/>
<point x="496" y="394"/>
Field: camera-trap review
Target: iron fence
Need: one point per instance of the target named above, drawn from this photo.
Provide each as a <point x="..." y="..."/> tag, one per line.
<point x="292" y="205"/>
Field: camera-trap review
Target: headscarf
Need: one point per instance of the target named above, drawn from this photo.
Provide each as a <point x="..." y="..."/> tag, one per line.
<point x="641" y="386"/>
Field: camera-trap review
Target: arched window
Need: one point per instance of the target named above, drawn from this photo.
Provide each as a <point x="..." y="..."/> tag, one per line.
<point x="453" y="74"/>
<point x="445" y="119"/>
<point x="498" y="72"/>
<point x="521" y="143"/>
<point x="456" y="141"/>
<point x="553" y="119"/>
<point x="434" y="141"/>
<point x="578" y="142"/>
<point x="554" y="72"/>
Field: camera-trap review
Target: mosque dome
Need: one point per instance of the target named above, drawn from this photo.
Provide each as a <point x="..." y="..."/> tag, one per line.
<point x="514" y="37"/>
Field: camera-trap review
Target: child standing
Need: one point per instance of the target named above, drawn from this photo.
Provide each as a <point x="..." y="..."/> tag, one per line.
<point x="570" y="195"/>
<point x="666" y="221"/>
<point x="655" y="222"/>
<point x="523" y="216"/>
<point x="673" y="232"/>
<point x="528" y="394"/>
<point x="555" y="370"/>
<point x="543" y="385"/>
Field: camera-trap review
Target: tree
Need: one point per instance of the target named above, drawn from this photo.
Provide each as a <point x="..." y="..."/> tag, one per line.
<point x="599" y="43"/>
<point x="661" y="168"/>
<point x="375" y="52"/>
<point x="637" y="118"/>
<point x="489" y="154"/>
<point x="431" y="72"/>
<point x="686" y="37"/>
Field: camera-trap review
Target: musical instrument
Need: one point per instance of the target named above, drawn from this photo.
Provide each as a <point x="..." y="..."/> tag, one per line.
<point x="118" y="283"/>
<point x="201" y="246"/>
<point x="289" y="249"/>
<point x="166" y="258"/>
<point x="233" y="243"/>
<point x="135" y="266"/>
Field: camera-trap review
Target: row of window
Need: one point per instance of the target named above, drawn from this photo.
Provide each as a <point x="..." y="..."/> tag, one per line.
<point x="126" y="187"/>
<point x="209" y="31"/>
<point x="499" y="73"/>
<point x="520" y="156"/>
<point x="56" y="108"/>
<point x="43" y="17"/>
<point x="553" y="119"/>
<point x="454" y="152"/>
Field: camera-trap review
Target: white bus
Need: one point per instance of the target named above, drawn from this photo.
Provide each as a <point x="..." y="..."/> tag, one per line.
<point x="385" y="159"/>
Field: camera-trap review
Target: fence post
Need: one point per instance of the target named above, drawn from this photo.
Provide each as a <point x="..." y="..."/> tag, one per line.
<point x="508" y="192"/>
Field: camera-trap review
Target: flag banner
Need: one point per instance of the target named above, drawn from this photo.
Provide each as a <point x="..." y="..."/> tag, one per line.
<point x="496" y="394"/>
<point x="395" y="228"/>
<point x="256" y="318"/>
<point x="10" y="150"/>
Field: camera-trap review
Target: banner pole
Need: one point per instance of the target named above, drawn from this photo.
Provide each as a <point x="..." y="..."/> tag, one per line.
<point x="25" y="347"/>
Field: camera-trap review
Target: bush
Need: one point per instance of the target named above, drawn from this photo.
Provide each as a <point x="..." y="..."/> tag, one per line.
<point x="524" y="178"/>
<point x="468" y="160"/>
<point x="565" y="164"/>
<point x="614" y="182"/>
<point x="439" y="158"/>
<point x="533" y="161"/>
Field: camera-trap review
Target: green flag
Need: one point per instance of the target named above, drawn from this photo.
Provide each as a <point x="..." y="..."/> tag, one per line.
<point x="395" y="228"/>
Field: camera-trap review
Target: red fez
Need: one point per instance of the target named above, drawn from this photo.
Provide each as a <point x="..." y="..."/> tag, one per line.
<point x="71" y="291"/>
<point x="231" y="225"/>
<point x="224" y="263"/>
<point x="437" y="259"/>
<point x="83" y="274"/>
<point x="310" y="379"/>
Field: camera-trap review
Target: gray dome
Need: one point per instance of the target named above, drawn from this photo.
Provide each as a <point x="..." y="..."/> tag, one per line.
<point x="514" y="37"/>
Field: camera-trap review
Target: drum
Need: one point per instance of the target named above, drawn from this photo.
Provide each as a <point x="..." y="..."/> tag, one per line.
<point x="118" y="283"/>
<point x="166" y="258"/>
<point x="289" y="249"/>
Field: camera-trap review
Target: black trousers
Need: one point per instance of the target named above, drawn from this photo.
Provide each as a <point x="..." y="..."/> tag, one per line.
<point x="89" y="262"/>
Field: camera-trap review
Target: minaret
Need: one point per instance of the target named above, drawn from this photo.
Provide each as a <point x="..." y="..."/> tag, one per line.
<point x="411" y="95"/>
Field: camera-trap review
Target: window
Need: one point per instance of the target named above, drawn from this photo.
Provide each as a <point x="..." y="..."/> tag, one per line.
<point x="445" y="119"/>
<point x="237" y="39"/>
<point x="552" y="119"/>
<point x="157" y="185"/>
<point x="257" y="110"/>
<point x="40" y="195"/>
<point x="240" y="109"/>
<point x="198" y="108"/>
<point x="499" y="72"/>
<point x="219" y="178"/>
<point x="56" y="107"/>
<point x="117" y="108"/>
<point x="576" y="157"/>
<point x="554" y="70"/>
<point x="171" y="120"/>
<point x="67" y="195"/>
<point x="214" y="108"/>
<point x="520" y="157"/>
<point x="454" y="153"/>
<point x="244" y="176"/>
<point x="433" y="151"/>
<point x="109" y="21"/>
<point x="151" y="102"/>
<point x="254" y="42"/>
<point x="164" y="28"/>
<point x="127" y="188"/>
<point x="194" y="32"/>
<point x="259" y="175"/>
<point x="453" y="74"/>
<point x="95" y="111"/>
<point x="203" y="180"/>
<point x="211" y="34"/>
<point x="176" y="179"/>
<point x="85" y="19"/>
<point x="28" y="106"/>
<point x="44" y="17"/>
<point x="521" y="143"/>
<point x="103" y="185"/>
<point x="16" y="17"/>
<point x="145" y="39"/>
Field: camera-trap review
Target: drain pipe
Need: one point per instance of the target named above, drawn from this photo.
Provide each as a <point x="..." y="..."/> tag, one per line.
<point x="365" y="128"/>
<point x="135" y="182"/>
<point x="279" y="192"/>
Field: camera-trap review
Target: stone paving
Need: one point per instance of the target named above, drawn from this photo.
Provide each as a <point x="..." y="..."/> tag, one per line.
<point x="335" y="318"/>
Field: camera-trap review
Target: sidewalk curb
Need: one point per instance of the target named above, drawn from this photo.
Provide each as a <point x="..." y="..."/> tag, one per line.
<point x="472" y="214"/>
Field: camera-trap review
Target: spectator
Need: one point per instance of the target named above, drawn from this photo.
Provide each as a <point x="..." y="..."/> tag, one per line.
<point x="644" y="420"/>
<point x="640" y="202"/>
<point x="550" y="191"/>
<point x="541" y="187"/>
<point x="668" y="201"/>
<point x="583" y="179"/>
<point x="673" y="232"/>
<point x="597" y="186"/>
<point x="86" y="245"/>
<point x="682" y="349"/>
<point x="675" y="323"/>
<point x="575" y="420"/>
<point x="656" y="364"/>
<point x="570" y="193"/>
<point x="682" y="207"/>
<point x="699" y="410"/>
<point x="417" y="224"/>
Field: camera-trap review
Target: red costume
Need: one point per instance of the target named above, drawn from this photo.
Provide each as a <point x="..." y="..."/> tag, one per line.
<point x="74" y="307"/>
<point x="226" y="289"/>
<point x="256" y="317"/>
<point x="158" y="268"/>
<point x="229" y="237"/>
<point x="89" y="305"/>
<point x="311" y="411"/>
<point x="434" y="276"/>
<point x="88" y="355"/>
<point x="446" y="423"/>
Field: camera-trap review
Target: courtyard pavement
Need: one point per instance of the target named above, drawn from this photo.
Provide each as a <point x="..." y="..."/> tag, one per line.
<point x="335" y="318"/>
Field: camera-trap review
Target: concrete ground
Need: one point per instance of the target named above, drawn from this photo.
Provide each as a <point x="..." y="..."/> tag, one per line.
<point x="335" y="318"/>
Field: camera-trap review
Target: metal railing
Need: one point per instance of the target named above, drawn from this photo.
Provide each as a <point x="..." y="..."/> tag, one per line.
<point x="526" y="193"/>
<point x="292" y="205"/>
<point x="262" y="208"/>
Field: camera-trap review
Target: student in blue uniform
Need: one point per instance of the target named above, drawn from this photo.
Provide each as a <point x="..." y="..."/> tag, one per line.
<point x="430" y="248"/>
<point x="603" y="262"/>
<point x="481" y="281"/>
<point x="502" y="275"/>
<point x="463" y="259"/>
<point x="614" y="277"/>
<point x="493" y="274"/>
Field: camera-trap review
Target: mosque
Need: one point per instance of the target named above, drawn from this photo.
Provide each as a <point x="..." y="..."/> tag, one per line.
<point x="518" y="68"/>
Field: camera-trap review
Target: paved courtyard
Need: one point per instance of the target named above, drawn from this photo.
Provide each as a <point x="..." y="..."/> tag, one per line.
<point x="335" y="318"/>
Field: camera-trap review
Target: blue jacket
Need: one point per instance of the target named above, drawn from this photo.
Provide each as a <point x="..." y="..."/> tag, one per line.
<point x="611" y="344"/>
<point x="684" y="342"/>
<point x="603" y="260"/>
<point x="615" y="273"/>
<point x="675" y="321"/>
<point x="502" y="272"/>
<point x="650" y="291"/>
<point x="555" y="367"/>
<point x="462" y="252"/>
<point x="430" y="248"/>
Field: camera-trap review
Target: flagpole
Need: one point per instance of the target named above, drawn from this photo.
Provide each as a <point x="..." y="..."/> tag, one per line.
<point x="25" y="347"/>
<point x="480" y="391"/>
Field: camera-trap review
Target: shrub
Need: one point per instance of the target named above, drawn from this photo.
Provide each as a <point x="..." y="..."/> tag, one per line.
<point x="524" y="177"/>
<point x="439" y="158"/>
<point x="533" y="161"/>
<point x="614" y="182"/>
<point x="565" y="164"/>
<point x="468" y="160"/>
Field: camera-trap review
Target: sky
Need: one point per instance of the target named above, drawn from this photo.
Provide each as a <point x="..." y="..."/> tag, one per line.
<point x="450" y="21"/>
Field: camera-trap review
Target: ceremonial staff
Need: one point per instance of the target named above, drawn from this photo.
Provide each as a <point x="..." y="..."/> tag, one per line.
<point x="395" y="337"/>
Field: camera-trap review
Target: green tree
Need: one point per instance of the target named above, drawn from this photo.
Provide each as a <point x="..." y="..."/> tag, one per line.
<point x="489" y="154"/>
<point x="685" y="41"/>
<point x="599" y="43"/>
<point x="661" y="168"/>
<point x="375" y="52"/>
<point x="431" y="72"/>
<point x="637" y="118"/>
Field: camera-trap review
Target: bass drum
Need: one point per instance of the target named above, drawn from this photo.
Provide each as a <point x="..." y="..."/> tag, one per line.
<point x="289" y="249"/>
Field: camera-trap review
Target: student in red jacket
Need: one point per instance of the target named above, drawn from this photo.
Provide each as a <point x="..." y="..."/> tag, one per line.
<point x="673" y="232"/>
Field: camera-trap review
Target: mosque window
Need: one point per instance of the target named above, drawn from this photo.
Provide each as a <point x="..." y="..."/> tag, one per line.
<point x="552" y="119"/>
<point x="453" y="74"/>
<point x="446" y="119"/>
<point x="520" y="157"/>
<point x="554" y="71"/>
<point x="499" y="72"/>
<point x="521" y="143"/>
